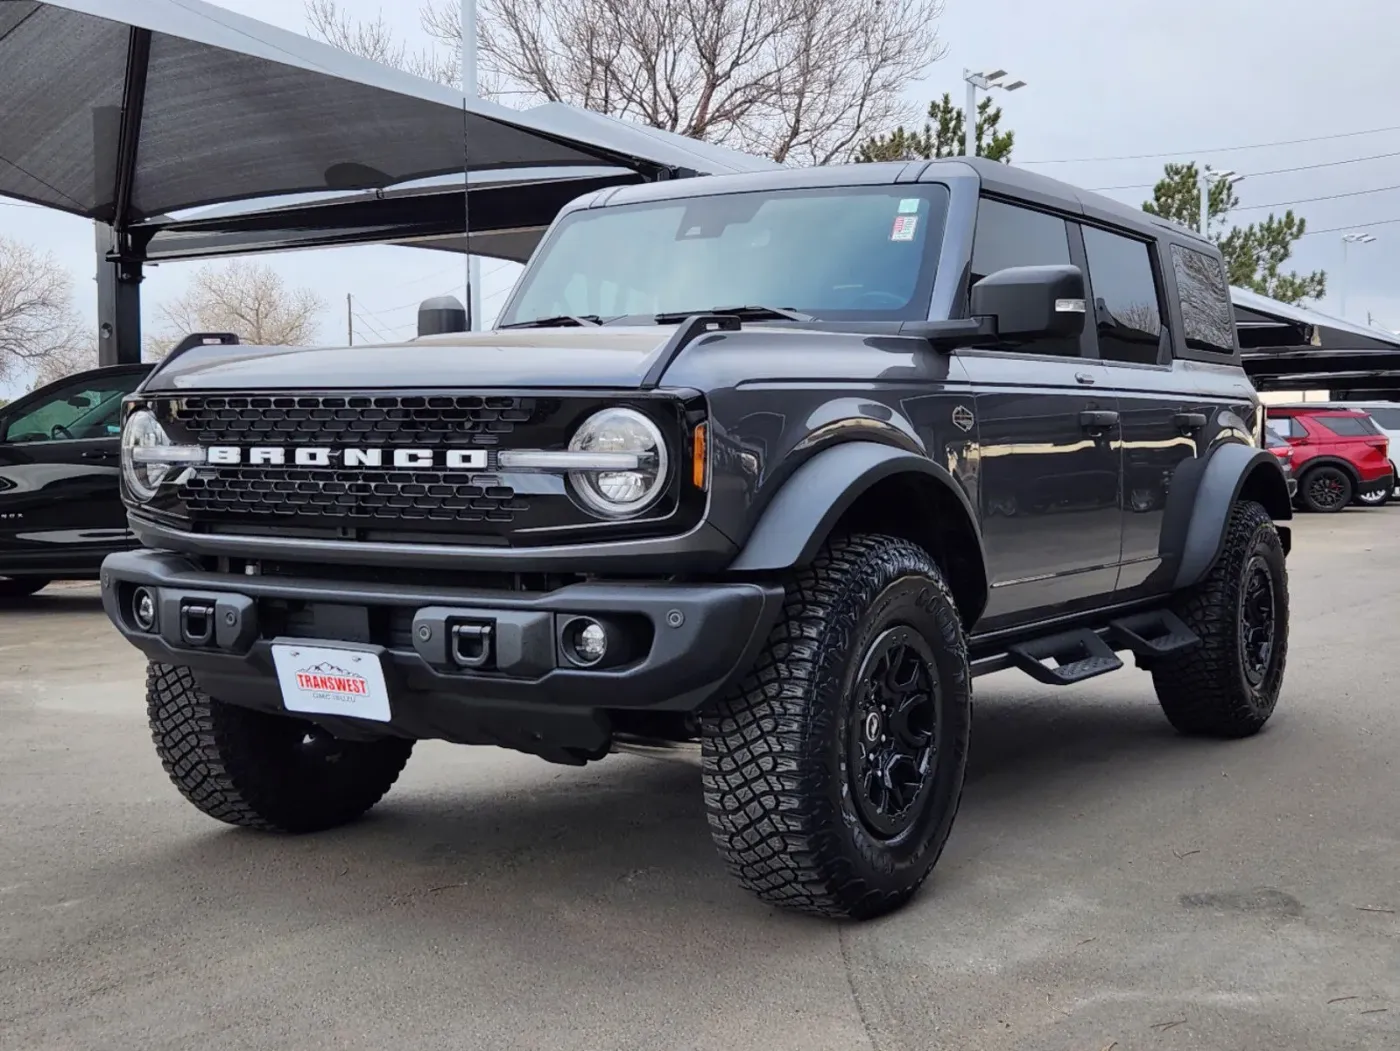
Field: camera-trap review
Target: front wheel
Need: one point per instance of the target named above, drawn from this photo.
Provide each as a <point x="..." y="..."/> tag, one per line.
<point x="1325" y="490"/>
<point x="833" y="771"/>
<point x="1229" y="685"/>
<point x="259" y="770"/>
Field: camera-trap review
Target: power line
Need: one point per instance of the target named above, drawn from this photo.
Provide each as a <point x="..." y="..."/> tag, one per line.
<point x="1270" y="171"/>
<point x="1311" y="200"/>
<point x="1352" y="226"/>
<point x="1213" y="149"/>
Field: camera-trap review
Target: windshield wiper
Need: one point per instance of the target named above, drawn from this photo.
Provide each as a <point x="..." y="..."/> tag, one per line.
<point x="558" y="321"/>
<point x="750" y="313"/>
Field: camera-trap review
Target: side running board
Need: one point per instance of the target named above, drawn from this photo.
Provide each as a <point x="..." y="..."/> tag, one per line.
<point x="1072" y="656"/>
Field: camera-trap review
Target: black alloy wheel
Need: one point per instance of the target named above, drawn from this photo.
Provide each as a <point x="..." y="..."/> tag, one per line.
<point x="1258" y="621"/>
<point x="1326" y="490"/>
<point x="893" y="731"/>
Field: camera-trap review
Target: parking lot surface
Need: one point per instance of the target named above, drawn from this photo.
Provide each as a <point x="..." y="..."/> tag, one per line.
<point x="1108" y="884"/>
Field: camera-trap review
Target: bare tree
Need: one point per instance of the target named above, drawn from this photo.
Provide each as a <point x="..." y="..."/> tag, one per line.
<point x="801" y="81"/>
<point x="38" y="323"/>
<point x="247" y="298"/>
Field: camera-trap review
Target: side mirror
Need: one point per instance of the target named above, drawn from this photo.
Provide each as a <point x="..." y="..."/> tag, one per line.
<point x="1032" y="302"/>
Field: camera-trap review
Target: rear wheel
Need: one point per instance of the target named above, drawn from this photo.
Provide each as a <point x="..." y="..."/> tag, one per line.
<point x="22" y="587"/>
<point x="1229" y="685"/>
<point x="1325" y="490"/>
<point x="832" y="773"/>
<point x="260" y="770"/>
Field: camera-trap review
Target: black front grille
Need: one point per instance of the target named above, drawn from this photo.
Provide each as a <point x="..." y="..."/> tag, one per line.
<point x="358" y="495"/>
<point x="452" y="419"/>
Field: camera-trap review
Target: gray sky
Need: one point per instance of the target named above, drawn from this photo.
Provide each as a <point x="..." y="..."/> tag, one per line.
<point x="1107" y="79"/>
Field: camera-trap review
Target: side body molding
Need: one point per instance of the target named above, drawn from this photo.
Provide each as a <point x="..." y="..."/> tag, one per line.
<point x="797" y="521"/>
<point x="1231" y="471"/>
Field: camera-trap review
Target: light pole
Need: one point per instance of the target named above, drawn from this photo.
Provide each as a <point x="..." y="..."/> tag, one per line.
<point x="469" y="90"/>
<point x="1355" y="238"/>
<point x="1207" y="176"/>
<point x="985" y="81"/>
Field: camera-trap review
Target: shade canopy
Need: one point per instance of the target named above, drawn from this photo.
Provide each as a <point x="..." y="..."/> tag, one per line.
<point x="1287" y="347"/>
<point x="124" y="110"/>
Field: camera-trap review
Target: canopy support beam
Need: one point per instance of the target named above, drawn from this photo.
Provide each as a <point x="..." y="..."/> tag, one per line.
<point x="118" y="268"/>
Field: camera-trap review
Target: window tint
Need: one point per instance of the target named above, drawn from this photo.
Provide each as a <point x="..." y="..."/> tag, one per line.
<point x="1126" y="306"/>
<point x="1009" y="236"/>
<point x="87" y="408"/>
<point x="1207" y="316"/>
<point x="1387" y="418"/>
<point x="1348" y="426"/>
<point x="1286" y="427"/>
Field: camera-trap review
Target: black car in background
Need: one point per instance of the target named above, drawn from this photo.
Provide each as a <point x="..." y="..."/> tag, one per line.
<point x="60" y="502"/>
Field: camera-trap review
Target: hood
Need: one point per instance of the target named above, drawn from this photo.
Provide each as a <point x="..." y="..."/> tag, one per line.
<point x="602" y="357"/>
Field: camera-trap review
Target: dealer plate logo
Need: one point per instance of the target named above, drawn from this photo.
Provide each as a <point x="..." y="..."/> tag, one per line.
<point x="963" y="418"/>
<point x="321" y="680"/>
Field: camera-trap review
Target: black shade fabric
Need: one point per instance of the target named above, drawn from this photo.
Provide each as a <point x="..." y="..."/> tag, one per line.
<point x="232" y="109"/>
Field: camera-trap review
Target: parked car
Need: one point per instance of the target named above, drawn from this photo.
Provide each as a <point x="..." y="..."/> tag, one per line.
<point x="1386" y="415"/>
<point x="61" y="510"/>
<point x="788" y="534"/>
<point x="1284" y="452"/>
<point x="1338" y="454"/>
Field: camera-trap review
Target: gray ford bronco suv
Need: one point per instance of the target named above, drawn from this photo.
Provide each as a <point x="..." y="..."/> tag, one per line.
<point x="773" y="464"/>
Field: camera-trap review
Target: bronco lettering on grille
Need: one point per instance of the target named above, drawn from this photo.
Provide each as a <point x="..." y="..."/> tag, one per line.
<point x="326" y="456"/>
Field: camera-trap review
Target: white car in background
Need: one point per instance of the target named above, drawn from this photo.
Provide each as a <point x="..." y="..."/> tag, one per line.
<point x="1387" y="417"/>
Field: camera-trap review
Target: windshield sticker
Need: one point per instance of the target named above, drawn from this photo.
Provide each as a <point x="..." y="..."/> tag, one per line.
<point x="908" y="206"/>
<point x="904" y="227"/>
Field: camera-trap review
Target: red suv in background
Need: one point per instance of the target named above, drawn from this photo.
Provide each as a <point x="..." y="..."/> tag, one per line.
<point x="1338" y="454"/>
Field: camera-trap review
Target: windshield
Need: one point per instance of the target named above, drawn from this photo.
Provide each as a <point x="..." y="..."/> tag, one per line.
<point x="847" y="253"/>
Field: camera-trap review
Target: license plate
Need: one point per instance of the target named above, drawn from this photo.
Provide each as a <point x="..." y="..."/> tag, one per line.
<point x="332" y="680"/>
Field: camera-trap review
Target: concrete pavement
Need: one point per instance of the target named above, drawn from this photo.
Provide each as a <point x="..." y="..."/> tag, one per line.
<point x="1108" y="884"/>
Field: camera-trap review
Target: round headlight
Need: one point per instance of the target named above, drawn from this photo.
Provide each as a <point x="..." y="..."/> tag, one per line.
<point x="143" y="478"/>
<point x="620" y="494"/>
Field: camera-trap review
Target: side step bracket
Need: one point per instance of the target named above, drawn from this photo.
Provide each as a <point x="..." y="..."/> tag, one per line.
<point x="1077" y="655"/>
<point x="1158" y="633"/>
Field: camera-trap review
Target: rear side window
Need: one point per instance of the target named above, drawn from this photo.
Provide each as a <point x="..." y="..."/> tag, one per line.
<point x="1387" y="418"/>
<point x="1348" y="426"/>
<point x="1009" y="236"/>
<point x="1286" y="427"/>
<point x="1206" y="314"/>
<point x="1127" y="308"/>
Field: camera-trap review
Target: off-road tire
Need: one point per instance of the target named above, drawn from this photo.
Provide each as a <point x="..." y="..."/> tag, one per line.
<point x="1338" y="479"/>
<point x="22" y="587"/>
<point x="256" y="769"/>
<point x="1205" y="691"/>
<point x="776" y="760"/>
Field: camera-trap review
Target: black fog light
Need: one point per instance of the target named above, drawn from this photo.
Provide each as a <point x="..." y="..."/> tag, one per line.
<point x="585" y="641"/>
<point x="143" y="609"/>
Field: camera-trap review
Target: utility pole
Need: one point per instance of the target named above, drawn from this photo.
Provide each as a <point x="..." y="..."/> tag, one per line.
<point x="349" y="321"/>
<point x="985" y="81"/>
<point x="469" y="89"/>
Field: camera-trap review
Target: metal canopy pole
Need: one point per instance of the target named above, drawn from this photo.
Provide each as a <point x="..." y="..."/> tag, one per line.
<point x="118" y="261"/>
<point x="469" y="89"/>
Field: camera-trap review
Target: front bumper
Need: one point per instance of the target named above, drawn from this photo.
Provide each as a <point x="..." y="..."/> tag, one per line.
<point x="464" y="665"/>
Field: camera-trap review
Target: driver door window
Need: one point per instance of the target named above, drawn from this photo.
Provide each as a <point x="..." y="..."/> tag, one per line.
<point x="1007" y="235"/>
<point x="85" y="409"/>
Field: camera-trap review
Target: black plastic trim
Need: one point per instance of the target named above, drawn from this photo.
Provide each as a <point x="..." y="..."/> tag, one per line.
<point x="1226" y="470"/>
<point x="702" y="548"/>
<point x="801" y="515"/>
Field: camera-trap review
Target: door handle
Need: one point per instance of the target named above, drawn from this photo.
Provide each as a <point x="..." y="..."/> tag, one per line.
<point x="1098" y="419"/>
<point x="1086" y="378"/>
<point x="1189" y="421"/>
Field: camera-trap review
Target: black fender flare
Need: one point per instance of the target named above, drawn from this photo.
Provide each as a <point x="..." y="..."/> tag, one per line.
<point x="1227" y="471"/>
<point x="798" y="519"/>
